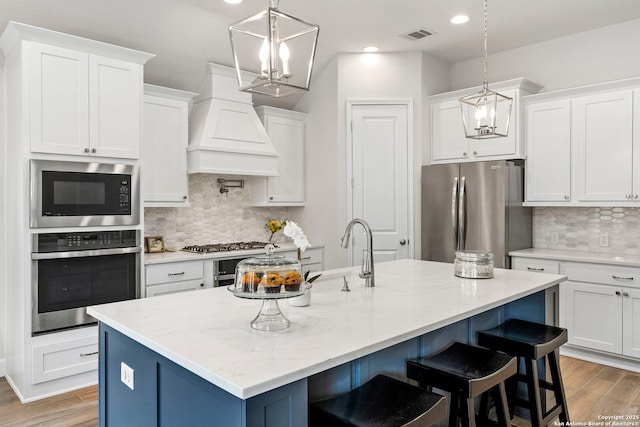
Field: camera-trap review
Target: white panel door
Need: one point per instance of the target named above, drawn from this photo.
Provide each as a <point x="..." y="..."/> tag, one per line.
<point x="593" y="316"/>
<point x="549" y="151"/>
<point x="604" y="136"/>
<point x="631" y="322"/>
<point x="380" y="181"/>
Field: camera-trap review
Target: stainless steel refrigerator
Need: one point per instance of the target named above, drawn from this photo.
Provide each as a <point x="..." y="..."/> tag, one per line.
<point x="474" y="206"/>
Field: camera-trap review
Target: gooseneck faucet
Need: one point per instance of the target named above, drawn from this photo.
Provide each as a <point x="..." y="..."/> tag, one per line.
<point x="367" y="263"/>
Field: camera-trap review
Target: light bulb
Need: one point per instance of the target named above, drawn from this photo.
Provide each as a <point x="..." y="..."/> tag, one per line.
<point x="284" y="56"/>
<point x="264" y="56"/>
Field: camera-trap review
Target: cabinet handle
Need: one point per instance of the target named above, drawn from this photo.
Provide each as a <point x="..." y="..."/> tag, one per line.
<point x="93" y="353"/>
<point x="635" y="196"/>
<point x="93" y="150"/>
<point x="176" y="274"/>
<point x="86" y="150"/>
<point x="627" y="196"/>
<point x="184" y="197"/>
<point x="464" y="153"/>
<point x="626" y="294"/>
<point x="305" y="257"/>
<point x="535" y="269"/>
<point x="621" y="277"/>
<point x="271" y="198"/>
<point x="475" y="153"/>
<point x="566" y="197"/>
<point x="618" y="293"/>
<point x="202" y="285"/>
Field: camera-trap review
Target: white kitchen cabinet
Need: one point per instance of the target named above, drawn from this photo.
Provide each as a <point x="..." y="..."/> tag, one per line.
<point x="604" y="131"/>
<point x="599" y="305"/>
<point x="286" y="131"/>
<point x="165" y="181"/>
<point x="552" y="295"/>
<point x="448" y="141"/>
<point x="172" y="277"/>
<point x="583" y="146"/>
<point x="82" y="103"/>
<point x="65" y="358"/>
<point x="548" y="135"/>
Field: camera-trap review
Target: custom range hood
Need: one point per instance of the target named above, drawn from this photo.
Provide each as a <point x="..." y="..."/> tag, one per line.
<point x="225" y="134"/>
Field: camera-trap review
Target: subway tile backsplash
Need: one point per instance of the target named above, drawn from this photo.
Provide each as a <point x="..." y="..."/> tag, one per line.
<point x="602" y="229"/>
<point x="212" y="217"/>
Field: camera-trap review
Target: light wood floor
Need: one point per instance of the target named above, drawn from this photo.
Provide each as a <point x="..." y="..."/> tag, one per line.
<point x="591" y="390"/>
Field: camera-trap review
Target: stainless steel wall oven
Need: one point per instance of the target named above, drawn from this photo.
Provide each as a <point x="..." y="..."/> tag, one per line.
<point x="73" y="270"/>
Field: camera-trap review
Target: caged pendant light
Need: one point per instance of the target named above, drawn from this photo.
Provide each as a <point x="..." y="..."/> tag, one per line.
<point x="485" y="114"/>
<point x="279" y="48"/>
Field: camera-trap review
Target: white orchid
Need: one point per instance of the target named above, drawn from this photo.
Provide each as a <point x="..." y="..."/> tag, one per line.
<point x="293" y="230"/>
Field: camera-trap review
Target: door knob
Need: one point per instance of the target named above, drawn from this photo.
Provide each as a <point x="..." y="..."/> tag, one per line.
<point x="403" y="242"/>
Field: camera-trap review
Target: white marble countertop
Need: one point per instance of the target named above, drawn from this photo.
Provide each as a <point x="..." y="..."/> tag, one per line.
<point x="577" y="256"/>
<point x="163" y="257"/>
<point x="208" y="331"/>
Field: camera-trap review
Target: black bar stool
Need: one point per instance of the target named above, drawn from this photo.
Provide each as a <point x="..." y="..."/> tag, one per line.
<point x="532" y="341"/>
<point x="380" y="402"/>
<point x="466" y="372"/>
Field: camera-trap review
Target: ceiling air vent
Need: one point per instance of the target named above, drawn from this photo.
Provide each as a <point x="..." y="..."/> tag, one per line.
<point x="418" y="34"/>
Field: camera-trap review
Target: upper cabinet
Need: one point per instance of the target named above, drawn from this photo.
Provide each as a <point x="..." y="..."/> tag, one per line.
<point x="84" y="97"/>
<point x="448" y="141"/>
<point x="286" y="130"/>
<point x="583" y="146"/>
<point x="165" y="181"/>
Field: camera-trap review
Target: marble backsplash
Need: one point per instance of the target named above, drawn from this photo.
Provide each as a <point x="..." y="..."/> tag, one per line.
<point x="602" y="229"/>
<point x="212" y="217"/>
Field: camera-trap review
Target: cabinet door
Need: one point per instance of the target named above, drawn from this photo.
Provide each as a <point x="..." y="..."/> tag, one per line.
<point x="287" y="136"/>
<point x="502" y="146"/>
<point x="58" y="100"/>
<point x="604" y="142"/>
<point x="116" y="107"/>
<point x="164" y="151"/>
<point x="549" y="151"/>
<point x="631" y="322"/>
<point x="593" y="316"/>
<point x="448" y="141"/>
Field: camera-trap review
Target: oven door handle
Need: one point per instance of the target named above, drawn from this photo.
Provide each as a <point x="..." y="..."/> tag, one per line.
<point x="79" y="254"/>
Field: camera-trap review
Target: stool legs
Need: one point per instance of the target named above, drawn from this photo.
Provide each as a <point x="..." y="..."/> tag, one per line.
<point x="561" y="399"/>
<point x="533" y="388"/>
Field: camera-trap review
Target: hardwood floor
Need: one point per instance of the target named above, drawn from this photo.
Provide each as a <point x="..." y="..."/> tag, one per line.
<point x="591" y="389"/>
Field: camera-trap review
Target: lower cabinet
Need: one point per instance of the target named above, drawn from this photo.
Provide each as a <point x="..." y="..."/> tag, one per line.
<point x="599" y="305"/>
<point x="61" y="359"/>
<point x="172" y="277"/>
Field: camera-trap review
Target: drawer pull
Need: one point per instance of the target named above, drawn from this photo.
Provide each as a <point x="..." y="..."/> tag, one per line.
<point x="305" y="257"/>
<point x="93" y="353"/>
<point x="535" y="269"/>
<point x="626" y="294"/>
<point x="176" y="274"/>
<point x="621" y="277"/>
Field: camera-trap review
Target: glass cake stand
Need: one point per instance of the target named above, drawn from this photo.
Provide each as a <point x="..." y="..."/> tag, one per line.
<point x="270" y="317"/>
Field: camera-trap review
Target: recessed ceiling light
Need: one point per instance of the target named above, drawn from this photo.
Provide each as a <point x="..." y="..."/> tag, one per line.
<point x="233" y="1"/>
<point x="370" y="49"/>
<point x="459" y="19"/>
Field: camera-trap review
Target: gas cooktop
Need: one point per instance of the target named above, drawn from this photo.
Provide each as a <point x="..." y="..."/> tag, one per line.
<point x="225" y="247"/>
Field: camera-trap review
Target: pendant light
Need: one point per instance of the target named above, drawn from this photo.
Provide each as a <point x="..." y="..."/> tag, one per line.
<point x="276" y="49"/>
<point x="485" y="114"/>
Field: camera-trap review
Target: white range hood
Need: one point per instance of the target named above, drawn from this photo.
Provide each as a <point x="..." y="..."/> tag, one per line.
<point x="225" y="134"/>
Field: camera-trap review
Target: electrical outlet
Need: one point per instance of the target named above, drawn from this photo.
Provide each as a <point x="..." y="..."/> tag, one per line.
<point x="126" y="375"/>
<point x="604" y="240"/>
<point x="554" y="236"/>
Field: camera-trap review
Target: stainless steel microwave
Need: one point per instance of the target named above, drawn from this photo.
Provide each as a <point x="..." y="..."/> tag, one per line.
<point x="77" y="194"/>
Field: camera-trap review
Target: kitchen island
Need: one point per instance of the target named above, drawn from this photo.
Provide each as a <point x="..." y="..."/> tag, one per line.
<point x="196" y="360"/>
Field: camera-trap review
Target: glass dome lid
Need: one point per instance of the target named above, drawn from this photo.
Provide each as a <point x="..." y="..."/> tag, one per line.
<point x="268" y="274"/>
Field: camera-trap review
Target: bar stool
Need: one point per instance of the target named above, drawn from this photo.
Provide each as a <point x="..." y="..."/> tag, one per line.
<point x="466" y="372"/>
<point x="531" y="341"/>
<point x="380" y="402"/>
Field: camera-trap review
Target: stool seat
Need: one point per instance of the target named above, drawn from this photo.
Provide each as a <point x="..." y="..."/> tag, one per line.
<point x="466" y="371"/>
<point x="381" y="402"/>
<point x="531" y="341"/>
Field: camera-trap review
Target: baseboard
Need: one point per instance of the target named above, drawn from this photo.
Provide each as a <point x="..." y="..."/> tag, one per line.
<point x="3" y="367"/>
<point x="612" y="360"/>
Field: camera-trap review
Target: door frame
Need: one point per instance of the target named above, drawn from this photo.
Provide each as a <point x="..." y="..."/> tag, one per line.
<point x="408" y="103"/>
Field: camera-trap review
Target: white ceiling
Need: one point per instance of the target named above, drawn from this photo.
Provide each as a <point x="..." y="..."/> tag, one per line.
<point x="186" y="34"/>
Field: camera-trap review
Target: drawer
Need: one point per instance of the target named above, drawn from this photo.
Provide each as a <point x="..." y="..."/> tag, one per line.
<point x="172" y="288"/>
<point x="604" y="274"/>
<point x="311" y="256"/>
<point x="63" y="359"/>
<point x="536" y="265"/>
<point x="174" y="272"/>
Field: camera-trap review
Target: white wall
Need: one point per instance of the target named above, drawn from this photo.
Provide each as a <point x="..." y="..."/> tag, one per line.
<point x="601" y="55"/>
<point x="3" y="224"/>
<point x="378" y="77"/>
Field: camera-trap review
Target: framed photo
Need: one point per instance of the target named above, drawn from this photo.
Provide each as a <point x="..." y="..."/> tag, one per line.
<point x="155" y="244"/>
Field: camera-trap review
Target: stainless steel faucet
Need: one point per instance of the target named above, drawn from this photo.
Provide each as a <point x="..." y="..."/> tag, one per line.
<point x="367" y="263"/>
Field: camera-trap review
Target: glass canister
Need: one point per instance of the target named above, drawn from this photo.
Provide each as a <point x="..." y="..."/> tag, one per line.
<point x="268" y="274"/>
<point x="473" y="264"/>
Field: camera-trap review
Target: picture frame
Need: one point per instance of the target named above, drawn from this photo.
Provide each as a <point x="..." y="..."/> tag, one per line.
<point x="155" y="244"/>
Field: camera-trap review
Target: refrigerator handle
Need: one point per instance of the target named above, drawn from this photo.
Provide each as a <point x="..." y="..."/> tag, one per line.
<point x="462" y="214"/>
<point x="454" y="212"/>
